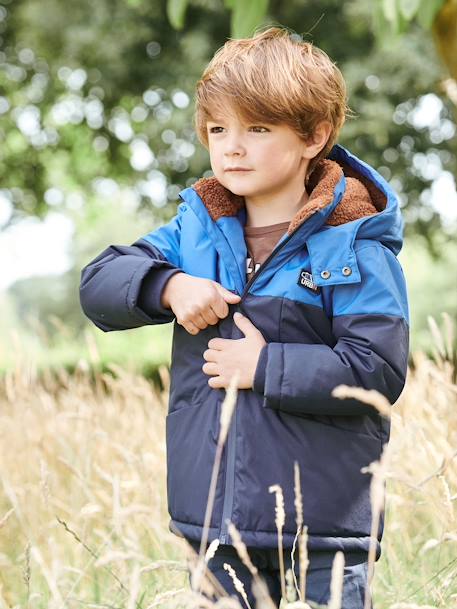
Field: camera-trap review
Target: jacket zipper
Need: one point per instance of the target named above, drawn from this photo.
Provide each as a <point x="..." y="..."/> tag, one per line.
<point x="264" y="264"/>
<point x="231" y="437"/>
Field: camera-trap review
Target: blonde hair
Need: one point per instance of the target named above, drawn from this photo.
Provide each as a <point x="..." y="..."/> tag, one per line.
<point x="275" y="77"/>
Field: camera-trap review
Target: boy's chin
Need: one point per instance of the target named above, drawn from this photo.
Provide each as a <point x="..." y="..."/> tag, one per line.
<point x="240" y="192"/>
<point x="240" y="189"/>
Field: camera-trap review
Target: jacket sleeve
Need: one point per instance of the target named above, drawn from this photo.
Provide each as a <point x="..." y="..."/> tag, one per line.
<point x="370" y="322"/>
<point x="122" y="287"/>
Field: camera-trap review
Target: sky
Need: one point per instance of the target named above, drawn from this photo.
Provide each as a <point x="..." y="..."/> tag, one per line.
<point x="34" y="247"/>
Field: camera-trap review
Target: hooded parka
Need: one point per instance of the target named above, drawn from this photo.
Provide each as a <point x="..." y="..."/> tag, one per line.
<point x="330" y="301"/>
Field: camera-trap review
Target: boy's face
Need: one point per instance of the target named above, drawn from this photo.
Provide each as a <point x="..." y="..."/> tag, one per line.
<point x="274" y="155"/>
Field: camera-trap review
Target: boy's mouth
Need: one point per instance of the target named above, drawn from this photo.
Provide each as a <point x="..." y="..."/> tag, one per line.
<point x="237" y="169"/>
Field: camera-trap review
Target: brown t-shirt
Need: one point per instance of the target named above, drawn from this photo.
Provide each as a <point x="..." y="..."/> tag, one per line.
<point x="260" y="242"/>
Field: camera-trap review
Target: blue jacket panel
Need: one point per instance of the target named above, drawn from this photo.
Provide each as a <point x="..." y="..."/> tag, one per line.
<point x="330" y="301"/>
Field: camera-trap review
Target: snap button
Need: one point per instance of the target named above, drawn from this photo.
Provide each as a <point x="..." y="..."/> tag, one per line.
<point x="347" y="270"/>
<point x="325" y="274"/>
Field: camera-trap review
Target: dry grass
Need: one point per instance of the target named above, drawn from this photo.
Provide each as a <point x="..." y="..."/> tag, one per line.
<point x="83" y="518"/>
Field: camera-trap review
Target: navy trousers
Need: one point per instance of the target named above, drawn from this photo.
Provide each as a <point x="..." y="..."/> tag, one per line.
<point x="318" y="574"/>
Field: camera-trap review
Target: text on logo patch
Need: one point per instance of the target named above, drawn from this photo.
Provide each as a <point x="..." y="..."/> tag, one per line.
<point x="305" y="279"/>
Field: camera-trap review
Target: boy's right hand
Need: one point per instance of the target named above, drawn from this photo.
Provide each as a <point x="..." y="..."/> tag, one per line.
<point x="196" y="302"/>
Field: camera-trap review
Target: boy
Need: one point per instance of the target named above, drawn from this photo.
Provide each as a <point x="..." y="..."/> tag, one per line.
<point x="301" y="237"/>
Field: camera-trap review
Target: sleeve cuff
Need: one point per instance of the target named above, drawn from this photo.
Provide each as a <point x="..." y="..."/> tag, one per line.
<point x="152" y="286"/>
<point x="259" y="376"/>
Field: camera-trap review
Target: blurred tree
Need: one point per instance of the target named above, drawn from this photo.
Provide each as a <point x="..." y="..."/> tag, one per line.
<point x="389" y="17"/>
<point x="100" y="98"/>
<point x="96" y="114"/>
<point x="395" y="17"/>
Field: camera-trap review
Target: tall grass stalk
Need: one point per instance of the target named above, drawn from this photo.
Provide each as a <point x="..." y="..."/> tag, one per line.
<point x="301" y="535"/>
<point x="280" y="519"/>
<point x="227" y="409"/>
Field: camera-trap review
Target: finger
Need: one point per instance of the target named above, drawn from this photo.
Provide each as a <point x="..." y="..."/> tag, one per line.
<point x="227" y="295"/>
<point x="244" y="324"/>
<point x="190" y="327"/>
<point x="198" y="321"/>
<point x="210" y="368"/>
<point x="220" y="307"/>
<point x="210" y="355"/>
<point x="209" y="315"/>
<point x="218" y="343"/>
<point x="216" y="382"/>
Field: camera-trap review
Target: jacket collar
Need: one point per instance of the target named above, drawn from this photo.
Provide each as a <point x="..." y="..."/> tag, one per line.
<point x="348" y="200"/>
<point x="361" y="197"/>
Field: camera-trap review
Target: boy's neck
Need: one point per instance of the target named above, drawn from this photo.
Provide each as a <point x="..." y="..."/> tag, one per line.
<point x="261" y="212"/>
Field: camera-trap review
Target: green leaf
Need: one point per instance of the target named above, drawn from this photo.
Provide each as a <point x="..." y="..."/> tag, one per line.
<point x="408" y="8"/>
<point x="389" y="8"/>
<point x="176" y="10"/>
<point x="246" y="16"/>
<point x="403" y="24"/>
<point x="395" y="13"/>
<point x="382" y="28"/>
<point x="427" y="12"/>
<point x="228" y="3"/>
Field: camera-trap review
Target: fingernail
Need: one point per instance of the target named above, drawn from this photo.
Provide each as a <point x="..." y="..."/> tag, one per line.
<point x="237" y="314"/>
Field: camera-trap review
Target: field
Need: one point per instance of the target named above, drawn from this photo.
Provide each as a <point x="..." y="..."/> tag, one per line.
<point x="83" y="515"/>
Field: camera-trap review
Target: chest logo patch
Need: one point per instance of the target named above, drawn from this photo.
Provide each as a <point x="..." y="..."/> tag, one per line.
<point x="305" y="280"/>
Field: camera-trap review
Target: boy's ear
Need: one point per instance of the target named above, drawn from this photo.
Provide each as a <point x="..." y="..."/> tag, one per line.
<point x="318" y="140"/>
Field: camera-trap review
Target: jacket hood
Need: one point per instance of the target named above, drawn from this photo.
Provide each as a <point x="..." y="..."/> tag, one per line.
<point x="366" y="195"/>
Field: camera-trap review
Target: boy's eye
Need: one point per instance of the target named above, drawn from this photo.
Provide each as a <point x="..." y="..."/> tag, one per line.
<point x="212" y="129"/>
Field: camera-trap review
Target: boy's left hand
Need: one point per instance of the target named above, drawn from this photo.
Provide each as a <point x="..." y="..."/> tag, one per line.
<point x="226" y="355"/>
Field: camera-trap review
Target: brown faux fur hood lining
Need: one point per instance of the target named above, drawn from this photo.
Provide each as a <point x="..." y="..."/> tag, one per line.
<point x="361" y="197"/>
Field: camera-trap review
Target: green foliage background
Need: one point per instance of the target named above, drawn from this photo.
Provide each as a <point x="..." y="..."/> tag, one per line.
<point x="82" y="90"/>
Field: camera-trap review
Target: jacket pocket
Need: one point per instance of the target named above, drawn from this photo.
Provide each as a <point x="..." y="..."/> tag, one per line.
<point x="191" y="437"/>
<point x="336" y="494"/>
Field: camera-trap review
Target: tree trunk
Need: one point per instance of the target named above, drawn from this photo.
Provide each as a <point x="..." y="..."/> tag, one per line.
<point x="445" y="36"/>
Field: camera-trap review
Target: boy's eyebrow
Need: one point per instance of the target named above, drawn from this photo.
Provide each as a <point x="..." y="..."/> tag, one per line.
<point x="222" y="119"/>
<point x="215" y="118"/>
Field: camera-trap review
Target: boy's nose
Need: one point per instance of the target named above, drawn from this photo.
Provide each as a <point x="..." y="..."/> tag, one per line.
<point x="234" y="145"/>
<point x="235" y="151"/>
